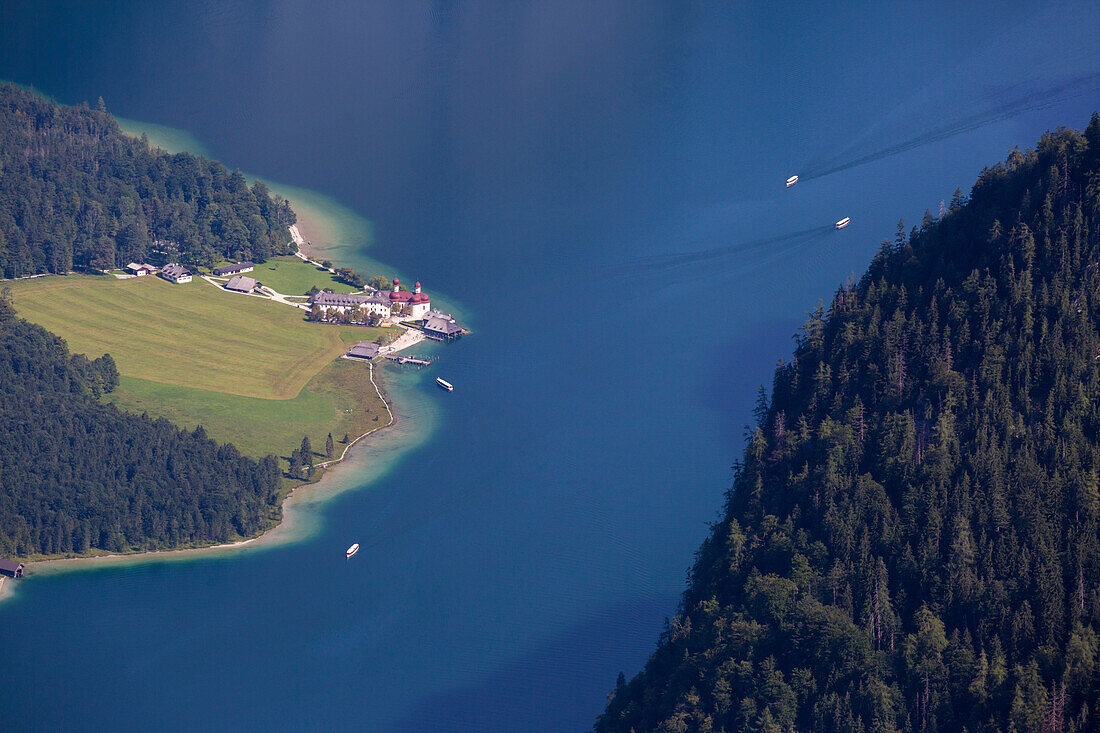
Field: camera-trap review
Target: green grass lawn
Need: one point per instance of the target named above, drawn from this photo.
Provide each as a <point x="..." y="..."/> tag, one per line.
<point x="192" y="335"/>
<point x="292" y="276"/>
<point x="339" y="399"/>
<point x="251" y="371"/>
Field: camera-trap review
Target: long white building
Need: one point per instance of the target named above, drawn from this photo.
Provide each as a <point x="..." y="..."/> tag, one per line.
<point x="381" y="303"/>
<point x="342" y="302"/>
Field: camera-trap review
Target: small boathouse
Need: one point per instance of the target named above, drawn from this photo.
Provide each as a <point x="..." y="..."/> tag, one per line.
<point x="441" y="327"/>
<point x="11" y="568"/>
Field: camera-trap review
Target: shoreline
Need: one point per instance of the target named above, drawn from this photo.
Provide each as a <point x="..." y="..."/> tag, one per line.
<point x="339" y="229"/>
<point x="285" y="531"/>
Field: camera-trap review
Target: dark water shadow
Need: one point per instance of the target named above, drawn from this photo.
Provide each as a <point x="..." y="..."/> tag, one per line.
<point x="551" y="687"/>
<point x="728" y="386"/>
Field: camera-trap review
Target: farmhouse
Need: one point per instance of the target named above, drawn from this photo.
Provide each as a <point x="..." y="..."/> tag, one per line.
<point x="236" y="269"/>
<point x="441" y="327"/>
<point x="11" y="568"/>
<point x="419" y="303"/>
<point x="176" y="273"/>
<point x="364" y="350"/>
<point x="242" y="284"/>
<point x="136" y="268"/>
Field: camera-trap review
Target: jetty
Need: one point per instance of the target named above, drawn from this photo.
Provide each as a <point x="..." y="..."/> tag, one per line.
<point x="410" y="360"/>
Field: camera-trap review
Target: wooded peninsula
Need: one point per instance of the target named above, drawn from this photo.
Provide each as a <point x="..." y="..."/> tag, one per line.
<point x="92" y="458"/>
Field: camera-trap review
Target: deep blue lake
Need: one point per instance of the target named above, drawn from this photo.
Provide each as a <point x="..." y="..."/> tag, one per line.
<point x="599" y="187"/>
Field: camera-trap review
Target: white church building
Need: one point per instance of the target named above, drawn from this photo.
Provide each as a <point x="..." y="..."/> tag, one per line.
<point x="382" y="303"/>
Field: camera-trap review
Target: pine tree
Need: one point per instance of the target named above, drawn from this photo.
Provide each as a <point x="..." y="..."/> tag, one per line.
<point x="306" y="452"/>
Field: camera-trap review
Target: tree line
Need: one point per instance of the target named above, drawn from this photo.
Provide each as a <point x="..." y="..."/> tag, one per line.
<point x="77" y="193"/>
<point x="78" y="475"/>
<point x="912" y="538"/>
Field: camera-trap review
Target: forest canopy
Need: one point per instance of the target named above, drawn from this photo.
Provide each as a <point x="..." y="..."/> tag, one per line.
<point x="77" y="193"/>
<point x="912" y="538"/>
<point x="77" y="475"/>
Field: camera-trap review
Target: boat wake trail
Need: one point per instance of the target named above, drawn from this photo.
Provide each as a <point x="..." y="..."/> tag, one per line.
<point x="1019" y="102"/>
<point x="745" y="253"/>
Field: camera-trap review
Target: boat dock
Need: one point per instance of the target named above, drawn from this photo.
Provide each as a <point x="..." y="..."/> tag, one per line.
<point x="410" y="360"/>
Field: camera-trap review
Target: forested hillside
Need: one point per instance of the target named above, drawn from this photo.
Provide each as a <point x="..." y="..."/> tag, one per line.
<point x="911" y="541"/>
<point x="78" y="475"/>
<point x="77" y="193"/>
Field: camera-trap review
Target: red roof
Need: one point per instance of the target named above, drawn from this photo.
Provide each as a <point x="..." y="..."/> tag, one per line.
<point x="403" y="296"/>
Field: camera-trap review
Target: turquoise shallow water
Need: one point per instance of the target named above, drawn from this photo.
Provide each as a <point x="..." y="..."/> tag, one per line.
<point x="600" y="186"/>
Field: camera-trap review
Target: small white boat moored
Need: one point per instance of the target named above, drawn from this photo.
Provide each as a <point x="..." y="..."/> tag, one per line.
<point x="844" y="222"/>
<point x="791" y="181"/>
<point x="445" y="384"/>
<point x="353" y="549"/>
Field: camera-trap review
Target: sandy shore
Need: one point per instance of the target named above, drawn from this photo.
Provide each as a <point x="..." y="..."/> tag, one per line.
<point x="296" y="236"/>
<point x="37" y="566"/>
<point x="411" y="337"/>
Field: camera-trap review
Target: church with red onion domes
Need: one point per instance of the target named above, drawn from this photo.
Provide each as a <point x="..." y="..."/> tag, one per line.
<point x="418" y="302"/>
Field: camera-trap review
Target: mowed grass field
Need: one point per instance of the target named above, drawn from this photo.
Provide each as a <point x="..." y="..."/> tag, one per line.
<point x="250" y="371"/>
<point x="292" y="276"/>
<point x="340" y="400"/>
<point x="191" y="335"/>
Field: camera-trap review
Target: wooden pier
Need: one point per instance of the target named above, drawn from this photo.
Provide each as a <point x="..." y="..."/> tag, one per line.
<point x="415" y="361"/>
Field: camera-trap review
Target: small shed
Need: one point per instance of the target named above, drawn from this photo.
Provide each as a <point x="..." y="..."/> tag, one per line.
<point x="242" y="284"/>
<point x="11" y="568"/>
<point x="236" y="269"/>
<point x="364" y="350"/>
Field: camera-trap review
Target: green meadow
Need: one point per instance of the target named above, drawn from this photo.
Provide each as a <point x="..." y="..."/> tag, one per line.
<point x="339" y="400"/>
<point x="291" y="276"/>
<point x="191" y="335"/>
<point x="250" y="371"/>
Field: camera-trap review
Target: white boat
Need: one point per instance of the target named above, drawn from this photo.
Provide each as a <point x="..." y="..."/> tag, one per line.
<point x="791" y="181"/>
<point x="445" y="384"/>
<point x="844" y="222"/>
<point x="353" y="549"/>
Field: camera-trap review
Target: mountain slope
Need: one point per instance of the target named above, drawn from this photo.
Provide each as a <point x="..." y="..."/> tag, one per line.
<point x="911" y="542"/>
